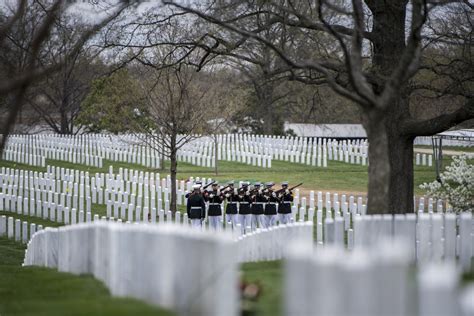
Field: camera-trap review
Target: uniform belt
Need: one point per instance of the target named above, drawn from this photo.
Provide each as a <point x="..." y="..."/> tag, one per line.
<point x="259" y="202"/>
<point x="232" y="202"/>
<point x="244" y="202"/>
<point x="274" y="203"/>
<point x="196" y="207"/>
<point x="214" y="203"/>
<point x="287" y="202"/>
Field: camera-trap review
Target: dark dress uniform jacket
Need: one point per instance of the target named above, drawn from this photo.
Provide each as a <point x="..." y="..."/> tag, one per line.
<point x="272" y="201"/>
<point x="232" y="202"/>
<point x="285" y="203"/>
<point x="196" y="200"/>
<point x="214" y="204"/>
<point x="257" y="206"/>
<point x="245" y="201"/>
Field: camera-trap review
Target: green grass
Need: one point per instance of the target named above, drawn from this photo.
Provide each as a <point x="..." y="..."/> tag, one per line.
<point x="31" y="219"/>
<point x="337" y="176"/>
<point x="269" y="276"/>
<point x="41" y="291"/>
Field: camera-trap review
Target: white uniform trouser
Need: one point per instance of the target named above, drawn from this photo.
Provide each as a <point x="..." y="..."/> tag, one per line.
<point x="214" y="222"/>
<point x="270" y="220"/>
<point x="258" y="220"/>
<point x="245" y="220"/>
<point x="284" y="218"/>
<point x="196" y="223"/>
<point x="233" y="219"/>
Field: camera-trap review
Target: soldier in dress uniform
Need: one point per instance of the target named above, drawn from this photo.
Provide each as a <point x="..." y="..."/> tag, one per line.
<point x="285" y="198"/>
<point x="214" y="212"/>
<point x="258" y="201"/>
<point x="197" y="183"/>
<point x="196" y="207"/>
<point x="232" y="204"/>
<point x="270" y="205"/>
<point x="244" y="207"/>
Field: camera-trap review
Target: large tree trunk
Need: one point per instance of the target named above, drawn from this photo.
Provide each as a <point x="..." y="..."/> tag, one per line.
<point x="64" y="128"/>
<point x="216" y="155"/>
<point x="379" y="164"/>
<point x="390" y="187"/>
<point x="401" y="173"/>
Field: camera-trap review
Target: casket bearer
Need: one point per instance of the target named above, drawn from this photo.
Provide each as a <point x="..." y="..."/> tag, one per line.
<point x="270" y="205"/>
<point x="232" y="203"/>
<point x="196" y="207"/>
<point x="285" y="196"/>
<point x="215" y="198"/>
<point x="257" y="206"/>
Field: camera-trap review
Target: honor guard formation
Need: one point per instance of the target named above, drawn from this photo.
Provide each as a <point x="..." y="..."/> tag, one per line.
<point x="251" y="207"/>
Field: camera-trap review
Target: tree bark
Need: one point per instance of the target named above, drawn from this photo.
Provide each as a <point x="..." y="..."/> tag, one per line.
<point x="173" y="172"/>
<point x="391" y="187"/>
<point x="379" y="163"/>
<point x="64" y="128"/>
<point x="401" y="188"/>
<point x="216" y="147"/>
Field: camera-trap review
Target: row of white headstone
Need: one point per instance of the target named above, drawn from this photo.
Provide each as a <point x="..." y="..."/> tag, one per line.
<point x="167" y="265"/>
<point x="269" y="243"/>
<point x="423" y="160"/>
<point x="48" y="195"/>
<point x="377" y="280"/>
<point x="250" y="149"/>
<point x="16" y="229"/>
<point x="84" y="149"/>
<point x="256" y="150"/>
<point x="430" y="236"/>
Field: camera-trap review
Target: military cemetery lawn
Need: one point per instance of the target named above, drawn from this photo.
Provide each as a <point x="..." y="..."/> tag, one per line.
<point x="338" y="176"/>
<point x="43" y="291"/>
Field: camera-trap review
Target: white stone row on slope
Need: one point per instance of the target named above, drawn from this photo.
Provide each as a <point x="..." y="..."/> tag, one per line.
<point x="424" y="160"/>
<point x="374" y="282"/>
<point x="268" y="244"/>
<point x="24" y="158"/>
<point x="170" y="266"/>
<point x="251" y="149"/>
<point x="16" y="229"/>
<point x="431" y="237"/>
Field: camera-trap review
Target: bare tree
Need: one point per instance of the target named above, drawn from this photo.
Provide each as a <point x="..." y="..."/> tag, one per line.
<point x="20" y="57"/>
<point x="379" y="48"/>
<point x="179" y="109"/>
<point x="57" y="98"/>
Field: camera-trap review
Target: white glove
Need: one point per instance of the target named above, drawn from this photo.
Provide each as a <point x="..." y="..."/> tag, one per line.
<point x="247" y="193"/>
<point x="211" y="196"/>
<point x="227" y="195"/>
<point x="287" y="191"/>
<point x="259" y="191"/>
<point x="274" y="194"/>
<point x="218" y="192"/>
<point x="267" y="197"/>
